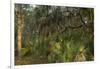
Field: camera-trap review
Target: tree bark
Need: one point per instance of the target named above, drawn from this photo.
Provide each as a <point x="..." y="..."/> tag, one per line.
<point x="20" y="21"/>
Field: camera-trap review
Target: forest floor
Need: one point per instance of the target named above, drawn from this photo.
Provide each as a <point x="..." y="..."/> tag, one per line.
<point x="30" y="60"/>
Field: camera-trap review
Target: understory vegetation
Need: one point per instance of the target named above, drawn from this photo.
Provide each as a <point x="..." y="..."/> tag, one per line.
<point x="53" y="34"/>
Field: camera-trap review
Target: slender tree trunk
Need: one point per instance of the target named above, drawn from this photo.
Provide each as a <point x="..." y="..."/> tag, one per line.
<point x="19" y="40"/>
<point x="20" y="22"/>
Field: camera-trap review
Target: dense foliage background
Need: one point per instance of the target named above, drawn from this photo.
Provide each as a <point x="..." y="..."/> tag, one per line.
<point x="53" y="34"/>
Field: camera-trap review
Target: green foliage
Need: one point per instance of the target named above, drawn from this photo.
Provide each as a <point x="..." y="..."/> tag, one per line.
<point x="25" y="52"/>
<point x="54" y="34"/>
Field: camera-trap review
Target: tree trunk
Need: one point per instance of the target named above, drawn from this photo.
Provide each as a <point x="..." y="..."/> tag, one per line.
<point x="20" y="22"/>
<point x="19" y="40"/>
